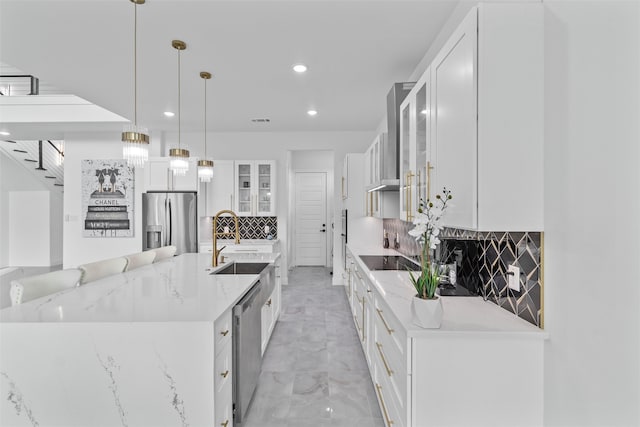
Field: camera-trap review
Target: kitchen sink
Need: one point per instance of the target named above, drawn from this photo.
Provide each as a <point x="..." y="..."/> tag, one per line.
<point x="242" y="268"/>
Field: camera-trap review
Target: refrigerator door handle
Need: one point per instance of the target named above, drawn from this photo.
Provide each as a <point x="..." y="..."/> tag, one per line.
<point x="170" y="223"/>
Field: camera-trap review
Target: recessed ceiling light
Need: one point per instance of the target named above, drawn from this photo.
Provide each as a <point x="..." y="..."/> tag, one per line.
<point x="5" y="133"/>
<point x="312" y="112"/>
<point x="299" y="68"/>
<point x="169" y="114"/>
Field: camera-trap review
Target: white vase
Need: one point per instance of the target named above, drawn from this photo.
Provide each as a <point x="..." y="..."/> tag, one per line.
<point x="427" y="313"/>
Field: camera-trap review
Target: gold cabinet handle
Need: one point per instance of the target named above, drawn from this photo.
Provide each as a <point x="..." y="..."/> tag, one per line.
<point x="384" y="360"/>
<point x="224" y="333"/>
<point x="428" y="183"/>
<point x="225" y="424"/>
<point x="410" y="193"/>
<point x="384" y="407"/>
<point x="357" y="323"/>
<point x="364" y="319"/>
<point x="225" y="373"/>
<point x="384" y="321"/>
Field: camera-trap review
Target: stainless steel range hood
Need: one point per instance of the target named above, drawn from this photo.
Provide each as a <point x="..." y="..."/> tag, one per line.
<point x="390" y="142"/>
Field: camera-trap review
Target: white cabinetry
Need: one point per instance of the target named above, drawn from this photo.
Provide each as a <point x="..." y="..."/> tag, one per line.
<point x="158" y="176"/>
<point x="379" y="204"/>
<point x="255" y="188"/>
<point x="474" y="123"/>
<point x="491" y="156"/>
<point x="218" y="195"/>
<point x="271" y="309"/>
<point x="415" y="147"/>
<point x="454" y="75"/>
<point x="223" y="396"/>
<point x="353" y="194"/>
<point x="415" y="372"/>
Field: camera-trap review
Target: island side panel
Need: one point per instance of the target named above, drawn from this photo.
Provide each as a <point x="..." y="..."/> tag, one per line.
<point x="107" y="374"/>
<point x="497" y="380"/>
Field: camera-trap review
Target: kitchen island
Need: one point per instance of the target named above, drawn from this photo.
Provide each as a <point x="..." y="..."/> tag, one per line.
<point x="142" y="347"/>
<point x="483" y="366"/>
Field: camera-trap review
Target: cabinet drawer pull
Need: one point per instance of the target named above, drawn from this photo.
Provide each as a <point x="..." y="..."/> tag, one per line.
<point x="225" y="373"/>
<point x="386" y="365"/>
<point x="384" y="321"/>
<point x="224" y="333"/>
<point x="384" y="407"/>
<point x="225" y="424"/>
<point x="269" y="302"/>
<point x="355" y="318"/>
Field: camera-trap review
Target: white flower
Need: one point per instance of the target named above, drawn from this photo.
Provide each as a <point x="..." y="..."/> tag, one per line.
<point x="418" y="230"/>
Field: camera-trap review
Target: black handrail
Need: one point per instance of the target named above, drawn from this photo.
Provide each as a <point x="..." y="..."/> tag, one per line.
<point x="55" y="148"/>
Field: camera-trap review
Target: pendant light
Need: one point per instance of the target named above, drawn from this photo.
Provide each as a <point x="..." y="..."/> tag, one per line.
<point x="205" y="166"/>
<point x="179" y="162"/>
<point x="135" y="140"/>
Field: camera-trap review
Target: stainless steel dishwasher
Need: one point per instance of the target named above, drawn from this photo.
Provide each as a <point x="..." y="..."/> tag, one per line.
<point x="247" y="357"/>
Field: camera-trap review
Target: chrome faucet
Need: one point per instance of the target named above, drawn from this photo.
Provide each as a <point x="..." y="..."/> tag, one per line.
<point x="236" y="232"/>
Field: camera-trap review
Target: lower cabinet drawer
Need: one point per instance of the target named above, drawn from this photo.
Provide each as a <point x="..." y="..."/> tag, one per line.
<point x="224" y="406"/>
<point x="391" y="363"/>
<point x="391" y="414"/>
<point x="222" y="368"/>
<point x="222" y="330"/>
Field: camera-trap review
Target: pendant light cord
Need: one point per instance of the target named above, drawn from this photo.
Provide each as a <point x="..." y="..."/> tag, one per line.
<point x="205" y="118"/>
<point x="135" y="64"/>
<point x="179" y="98"/>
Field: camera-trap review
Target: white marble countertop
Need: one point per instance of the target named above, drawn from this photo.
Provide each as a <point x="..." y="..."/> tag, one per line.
<point x="462" y="315"/>
<point x="177" y="289"/>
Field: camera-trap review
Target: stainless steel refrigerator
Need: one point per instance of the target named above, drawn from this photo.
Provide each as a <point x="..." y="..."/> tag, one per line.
<point x="170" y="218"/>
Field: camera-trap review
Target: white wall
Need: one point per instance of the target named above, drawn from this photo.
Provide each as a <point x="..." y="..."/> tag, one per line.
<point x="592" y="213"/>
<point x="78" y="249"/>
<point x="29" y="234"/>
<point x="15" y="178"/>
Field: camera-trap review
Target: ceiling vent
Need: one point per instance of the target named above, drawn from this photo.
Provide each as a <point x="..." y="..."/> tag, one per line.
<point x="261" y="120"/>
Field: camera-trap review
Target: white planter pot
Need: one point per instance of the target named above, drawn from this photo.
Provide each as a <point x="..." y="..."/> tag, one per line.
<point x="427" y="313"/>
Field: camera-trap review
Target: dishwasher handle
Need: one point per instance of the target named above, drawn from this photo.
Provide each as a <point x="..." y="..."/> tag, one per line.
<point x="247" y="301"/>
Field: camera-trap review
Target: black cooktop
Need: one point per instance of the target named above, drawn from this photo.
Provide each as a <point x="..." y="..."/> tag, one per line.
<point x="388" y="262"/>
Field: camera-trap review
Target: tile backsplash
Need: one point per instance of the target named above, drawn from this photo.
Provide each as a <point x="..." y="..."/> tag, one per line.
<point x="488" y="255"/>
<point x="251" y="227"/>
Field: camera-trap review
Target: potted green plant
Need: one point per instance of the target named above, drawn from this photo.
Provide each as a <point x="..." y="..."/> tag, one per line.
<point x="426" y="306"/>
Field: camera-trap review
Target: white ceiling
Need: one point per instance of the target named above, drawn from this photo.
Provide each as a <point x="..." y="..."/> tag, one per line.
<point x="354" y="50"/>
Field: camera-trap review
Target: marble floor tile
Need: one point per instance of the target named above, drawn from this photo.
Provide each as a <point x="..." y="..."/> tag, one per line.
<point x="311" y="384"/>
<point x="313" y="371"/>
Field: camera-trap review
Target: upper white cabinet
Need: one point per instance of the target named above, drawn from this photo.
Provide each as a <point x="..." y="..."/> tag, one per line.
<point x="158" y="176"/>
<point x="454" y="74"/>
<point x="254" y="183"/>
<point x="379" y="204"/>
<point x="415" y="159"/>
<point x="482" y="132"/>
<point x="218" y="193"/>
<point x="407" y="151"/>
<point x="353" y="176"/>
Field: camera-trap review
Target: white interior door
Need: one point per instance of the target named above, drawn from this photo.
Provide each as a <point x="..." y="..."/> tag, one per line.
<point x="311" y="218"/>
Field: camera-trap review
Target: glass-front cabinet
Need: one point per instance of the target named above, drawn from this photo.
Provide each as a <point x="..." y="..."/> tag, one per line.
<point x="255" y="188"/>
<point x="422" y="160"/>
<point x="416" y="164"/>
<point x="407" y="203"/>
